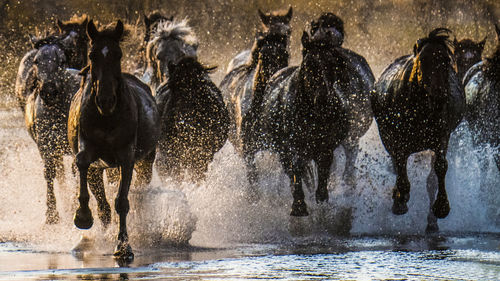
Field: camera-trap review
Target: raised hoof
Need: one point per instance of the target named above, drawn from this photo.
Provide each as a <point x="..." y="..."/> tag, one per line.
<point x="441" y="208"/>
<point x="321" y="195"/>
<point x="432" y="228"/>
<point x="83" y="218"/>
<point x="51" y="217"/>
<point x="299" y="209"/>
<point x="124" y="252"/>
<point x="105" y="215"/>
<point x="399" y="208"/>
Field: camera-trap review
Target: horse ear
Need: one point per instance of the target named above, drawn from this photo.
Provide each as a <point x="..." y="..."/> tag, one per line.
<point x="60" y="25"/>
<point x="455" y="42"/>
<point x="119" y="30"/>
<point x="146" y="20"/>
<point x="264" y="18"/>
<point x="85" y="22"/>
<point x="92" y="30"/>
<point x="289" y="15"/>
<point x="497" y="29"/>
<point x="415" y="48"/>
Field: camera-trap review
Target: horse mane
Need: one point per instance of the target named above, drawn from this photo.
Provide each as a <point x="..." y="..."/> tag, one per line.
<point x="48" y="40"/>
<point x="156" y="15"/>
<point x="439" y="35"/>
<point x="179" y="30"/>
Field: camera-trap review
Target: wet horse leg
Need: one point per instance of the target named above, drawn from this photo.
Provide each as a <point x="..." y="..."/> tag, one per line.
<point x="252" y="176"/>
<point x="324" y="162"/>
<point x="96" y="185"/>
<point x="295" y="171"/>
<point x="441" y="207"/>
<point x="123" y="250"/>
<point x="144" y="169"/>
<point x="351" y="153"/>
<point x="83" y="216"/>
<point x="432" y="225"/>
<point x="49" y="171"/>
<point x="401" y="194"/>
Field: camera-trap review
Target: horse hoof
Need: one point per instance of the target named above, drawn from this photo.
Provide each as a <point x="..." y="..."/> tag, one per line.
<point x="83" y="218"/>
<point x="299" y="209"/>
<point x="432" y="228"/>
<point x="441" y="208"/>
<point x="52" y="217"/>
<point x="399" y="208"/>
<point x="105" y="215"/>
<point x="321" y="195"/>
<point x="124" y="252"/>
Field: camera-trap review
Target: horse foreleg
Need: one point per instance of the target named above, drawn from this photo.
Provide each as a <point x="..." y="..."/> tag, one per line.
<point x="49" y="171"/>
<point x="83" y="216"/>
<point x="252" y="176"/>
<point x="324" y="163"/>
<point x="401" y="194"/>
<point x="295" y="172"/>
<point x="96" y="185"/>
<point x="351" y="153"/>
<point x="144" y="169"/>
<point x="123" y="250"/>
<point x="441" y="207"/>
<point x="432" y="225"/>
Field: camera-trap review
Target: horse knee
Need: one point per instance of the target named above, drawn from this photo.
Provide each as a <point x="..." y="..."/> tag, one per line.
<point x="82" y="160"/>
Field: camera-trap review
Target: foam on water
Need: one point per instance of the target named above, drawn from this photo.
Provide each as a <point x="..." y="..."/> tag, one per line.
<point x="218" y="211"/>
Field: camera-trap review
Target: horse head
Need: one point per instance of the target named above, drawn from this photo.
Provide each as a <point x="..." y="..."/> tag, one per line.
<point x="277" y="22"/>
<point x="328" y="27"/>
<point x="433" y="59"/>
<point x="151" y="23"/>
<point x="172" y="42"/>
<point x="273" y="48"/>
<point x="468" y="53"/>
<point x="49" y="63"/>
<point x="75" y="40"/>
<point x="105" y="69"/>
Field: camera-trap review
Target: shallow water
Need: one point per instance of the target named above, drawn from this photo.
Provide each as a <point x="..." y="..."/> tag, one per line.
<point x="184" y="231"/>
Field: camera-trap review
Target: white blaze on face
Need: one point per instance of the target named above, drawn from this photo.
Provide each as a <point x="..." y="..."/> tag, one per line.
<point x="469" y="55"/>
<point x="105" y="51"/>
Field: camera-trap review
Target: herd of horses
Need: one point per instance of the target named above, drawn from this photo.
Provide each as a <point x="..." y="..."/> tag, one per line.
<point x="170" y="114"/>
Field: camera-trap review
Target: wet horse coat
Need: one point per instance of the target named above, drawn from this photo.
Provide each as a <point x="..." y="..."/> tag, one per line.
<point x="418" y="102"/>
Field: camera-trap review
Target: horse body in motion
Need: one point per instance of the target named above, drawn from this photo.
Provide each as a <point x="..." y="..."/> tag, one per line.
<point x="269" y="55"/>
<point x="46" y="113"/>
<point x="194" y="119"/>
<point x="418" y="102"/>
<point x="467" y="54"/>
<point x="359" y="112"/>
<point x="73" y="40"/>
<point x="303" y="115"/>
<point x="482" y="91"/>
<point x="113" y="122"/>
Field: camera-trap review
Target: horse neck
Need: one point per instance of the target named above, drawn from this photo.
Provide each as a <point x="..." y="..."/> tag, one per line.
<point x="263" y="72"/>
<point x="188" y="77"/>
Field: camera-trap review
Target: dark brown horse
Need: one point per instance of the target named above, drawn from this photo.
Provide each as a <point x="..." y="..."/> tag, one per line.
<point x="113" y="122"/>
<point x="418" y="102"/>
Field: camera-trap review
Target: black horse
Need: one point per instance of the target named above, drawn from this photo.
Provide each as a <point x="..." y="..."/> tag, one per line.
<point x="46" y="113"/>
<point x="418" y="102"/>
<point x="74" y="43"/>
<point x="467" y="54"/>
<point x="113" y="122"/>
<point x="482" y="91"/>
<point x="276" y="23"/>
<point x="269" y="54"/>
<point x="194" y="119"/>
<point x="303" y="115"/>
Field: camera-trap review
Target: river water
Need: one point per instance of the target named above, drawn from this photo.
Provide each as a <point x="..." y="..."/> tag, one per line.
<point x="210" y="231"/>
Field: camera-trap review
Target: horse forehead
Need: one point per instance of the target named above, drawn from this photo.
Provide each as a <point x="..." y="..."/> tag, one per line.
<point x="105" y="51"/>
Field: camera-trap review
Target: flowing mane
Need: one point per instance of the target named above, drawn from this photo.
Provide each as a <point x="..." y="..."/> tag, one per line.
<point x="175" y="30"/>
<point x="437" y="36"/>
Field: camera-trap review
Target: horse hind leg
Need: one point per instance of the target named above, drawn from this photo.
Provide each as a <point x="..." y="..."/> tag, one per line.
<point x="144" y="170"/>
<point x="432" y="184"/>
<point x="49" y="171"/>
<point x="96" y="185"/>
<point x="401" y="193"/>
<point x="441" y="207"/>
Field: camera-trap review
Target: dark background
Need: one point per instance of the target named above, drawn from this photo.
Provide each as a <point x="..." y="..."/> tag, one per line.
<point x="378" y="30"/>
